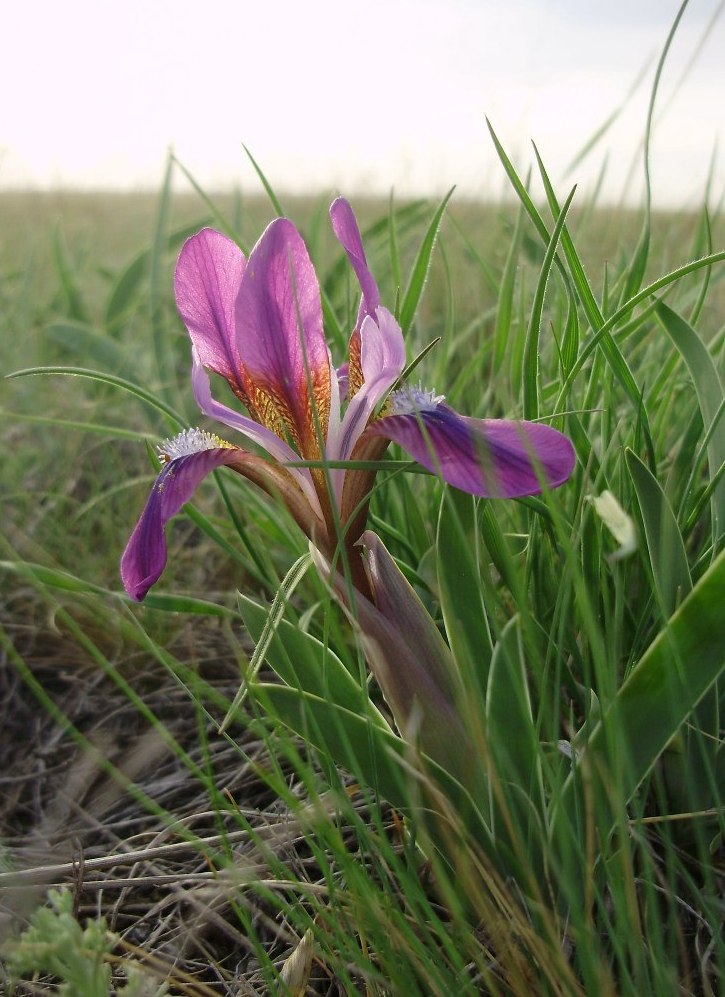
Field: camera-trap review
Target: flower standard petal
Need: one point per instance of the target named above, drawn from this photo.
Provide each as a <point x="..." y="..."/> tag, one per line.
<point x="382" y="357"/>
<point x="188" y="459"/>
<point x="494" y="458"/>
<point x="206" y="283"/>
<point x="281" y="342"/>
<point x="345" y="227"/>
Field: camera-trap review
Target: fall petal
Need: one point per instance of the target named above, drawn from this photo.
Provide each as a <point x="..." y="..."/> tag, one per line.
<point x="198" y="454"/>
<point x="495" y="458"/>
<point x="144" y="558"/>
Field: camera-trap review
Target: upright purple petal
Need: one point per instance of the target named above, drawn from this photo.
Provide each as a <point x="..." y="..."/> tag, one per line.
<point x="495" y="458"/>
<point x="343" y="377"/>
<point x="206" y="283"/>
<point x="345" y="227"/>
<point x="382" y="360"/>
<point x="144" y="559"/>
<point x="280" y="337"/>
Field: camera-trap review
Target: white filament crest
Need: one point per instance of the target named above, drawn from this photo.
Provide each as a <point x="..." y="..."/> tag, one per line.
<point x="188" y="442"/>
<point x="411" y="400"/>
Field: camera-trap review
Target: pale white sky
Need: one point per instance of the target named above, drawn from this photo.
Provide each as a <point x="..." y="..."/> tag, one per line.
<point x="370" y="95"/>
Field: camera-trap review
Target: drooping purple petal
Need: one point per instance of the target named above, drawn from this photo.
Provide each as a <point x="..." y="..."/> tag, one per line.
<point x="280" y="337"/>
<point x="190" y="457"/>
<point x="206" y="283"/>
<point x="345" y="227"/>
<point x="496" y="458"/>
<point x="144" y="558"/>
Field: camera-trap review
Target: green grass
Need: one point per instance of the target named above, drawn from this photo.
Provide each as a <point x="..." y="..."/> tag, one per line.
<point x="591" y="694"/>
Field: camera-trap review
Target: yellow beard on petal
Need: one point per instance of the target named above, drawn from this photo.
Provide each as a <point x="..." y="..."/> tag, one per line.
<point x="355" y="374"/>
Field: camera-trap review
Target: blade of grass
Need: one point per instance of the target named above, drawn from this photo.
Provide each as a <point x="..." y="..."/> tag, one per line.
<point x="421" y="266"/>
<point x="709" y="391"/>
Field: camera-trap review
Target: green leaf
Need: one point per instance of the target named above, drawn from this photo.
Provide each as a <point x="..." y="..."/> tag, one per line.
<point x="460" y="586"/>
<point x="76" y="306"/>
<point x="508" y="708"/>
<point x="530" y="381"/>
<point x="159" y="283"/>
<point x="376" y="756"/>
<point x="504" y="306"/>
<point x="517" y="807"/>
<point x="67" y="582"/>
<point x="421" y="266"/>
<point x="347" y="739"/>
<point x="660" y="693"/>
<point x="709" y="391"/>
<point x="602" y="330"/>
<point x="306" y="664"/>
<point x="118" y="382"/>
<point x="50" y="576"/>
<point x="265" y="183"/>
<point x="665" y="547"/>
<point x="272" y="620"/>
<point x="170" y="603"/>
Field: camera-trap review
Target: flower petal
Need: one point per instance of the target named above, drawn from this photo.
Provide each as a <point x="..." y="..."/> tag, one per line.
<point x="194" y="455"/>
<point x="345" y="227"/>
<point x="206" y="283"/>
<point x="382" y="357"/>
<point x="144" y="558"/>
<point x="495" y="458"/>
<point x="281" y="340"/>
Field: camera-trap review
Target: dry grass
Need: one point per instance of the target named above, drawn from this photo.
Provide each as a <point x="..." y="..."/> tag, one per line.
<point x="171" y="886"/>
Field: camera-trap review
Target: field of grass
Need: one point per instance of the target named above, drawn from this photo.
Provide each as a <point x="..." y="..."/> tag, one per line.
<point x="308" y="848"/>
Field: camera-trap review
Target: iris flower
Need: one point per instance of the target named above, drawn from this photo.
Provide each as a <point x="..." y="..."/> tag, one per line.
<point x="257" y="323"/>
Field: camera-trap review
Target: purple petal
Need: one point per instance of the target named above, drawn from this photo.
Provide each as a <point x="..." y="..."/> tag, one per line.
<point x="144" y="559"/>
<point x="280" y="337"/>
<point x="495" y="458"/>
<point x="382" y="359"/>
<point x="191" y="456"/>
<point x="343" y="377"/>
<point x="345" y="227"/>
<point x="206" y="283"/>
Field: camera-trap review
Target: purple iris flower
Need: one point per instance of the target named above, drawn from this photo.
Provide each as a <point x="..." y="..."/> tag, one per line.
<point x="257" y="322"/>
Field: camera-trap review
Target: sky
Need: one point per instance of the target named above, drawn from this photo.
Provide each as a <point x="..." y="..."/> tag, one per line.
<point x="361" y="97"/>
